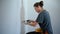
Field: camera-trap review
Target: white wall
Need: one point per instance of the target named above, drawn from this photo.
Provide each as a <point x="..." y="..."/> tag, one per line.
<point x="53" y="8"/>
<point x="29" y="13"/>
<point x="10" y="17"/>
<point x="30" y="9"/>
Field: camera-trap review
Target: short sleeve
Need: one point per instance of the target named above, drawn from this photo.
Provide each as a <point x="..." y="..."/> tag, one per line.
<point x="40" y="18"/>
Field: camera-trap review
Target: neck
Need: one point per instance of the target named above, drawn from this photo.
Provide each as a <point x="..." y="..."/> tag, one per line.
<point x="41" y="10"/>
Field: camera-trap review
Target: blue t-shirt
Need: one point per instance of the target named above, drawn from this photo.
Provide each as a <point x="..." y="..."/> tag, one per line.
<point x="44" y="21"/>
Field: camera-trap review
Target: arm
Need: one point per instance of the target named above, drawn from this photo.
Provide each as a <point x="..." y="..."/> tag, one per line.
<point x="40" y="18"/>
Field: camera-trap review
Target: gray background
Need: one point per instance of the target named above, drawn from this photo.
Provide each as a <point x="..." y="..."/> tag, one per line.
<point x="10" y="22"/>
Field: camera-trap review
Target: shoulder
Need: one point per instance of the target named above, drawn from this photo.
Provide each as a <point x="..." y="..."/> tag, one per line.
<point x="44" y="12"/>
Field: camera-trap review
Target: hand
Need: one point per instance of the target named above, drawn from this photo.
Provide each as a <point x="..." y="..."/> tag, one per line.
<point x="33" y="23"/>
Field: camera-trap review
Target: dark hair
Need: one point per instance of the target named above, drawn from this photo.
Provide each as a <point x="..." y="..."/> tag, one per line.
<point x="38" y="4"/>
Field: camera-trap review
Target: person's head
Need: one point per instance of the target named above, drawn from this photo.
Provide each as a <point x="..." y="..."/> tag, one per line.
<point x="38" y="6"/>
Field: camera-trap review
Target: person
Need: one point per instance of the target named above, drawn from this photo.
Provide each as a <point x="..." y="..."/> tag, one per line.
<point x="43" y="18"/>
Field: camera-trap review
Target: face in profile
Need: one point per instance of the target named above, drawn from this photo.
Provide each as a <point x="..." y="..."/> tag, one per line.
<point x="38" y="9"/>
<point x="38" y="6"/>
